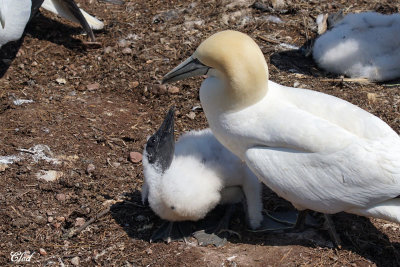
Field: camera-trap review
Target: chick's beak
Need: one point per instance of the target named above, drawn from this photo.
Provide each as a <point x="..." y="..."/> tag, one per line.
<point x="189" y="68"/>
<point x="161" y="146"/>
<point x="2" y="21"/>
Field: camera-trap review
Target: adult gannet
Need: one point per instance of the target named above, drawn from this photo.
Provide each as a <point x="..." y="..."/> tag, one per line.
<point x="14" y="16"/>
<point x="365" y="45"/>
<point x="183" y="182"/>
<point x="315" y="150"/>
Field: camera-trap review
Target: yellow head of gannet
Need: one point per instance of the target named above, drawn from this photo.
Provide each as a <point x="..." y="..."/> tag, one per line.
<point x="235" y="60"/>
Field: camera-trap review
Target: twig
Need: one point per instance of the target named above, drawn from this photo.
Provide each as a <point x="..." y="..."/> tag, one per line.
<point x="356" y="80"/>
<point x="41" y="50"/>
<point x="75" y="232"/>
<point x="268" y="40"/>
<point x="24" y="150"/>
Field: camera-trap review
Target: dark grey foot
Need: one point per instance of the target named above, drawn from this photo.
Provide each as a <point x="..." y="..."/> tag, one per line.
<point x="330" y="227"/>
<point x="288" y="221"/>
<point x="172" y="231"/>
<point x="219" y="233"/>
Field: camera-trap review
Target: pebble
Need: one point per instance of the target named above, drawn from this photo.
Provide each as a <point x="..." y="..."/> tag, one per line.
<point x="42" y="252"/>
<point x="75" y="261"/>
<point x="3" y="167"/>
<point x="79" y="222"/>
<point x="93" y="86"/>
<point x="39" y="220"/>
<point x="158" y="89"/>
<point x="49" y="175"/>
<point x="135" y="157"/>
<point x="116" y="164"/>
<point x="61" y="81"/>
<point x="108" y="49"/>
<point x="173" y="90"/>
<point x="60" y="218"/>
<point x="123" y="43"/>
<point x="126" y="50"/>
<point x="134" y="84"/>
<point x="57" y="225"/>
<point x="191" y="115"/>
<point x="50" y="219"/>
<point x="90" y="168"/>
<point x="61" y="197"/>
<point x="149" y="251"/>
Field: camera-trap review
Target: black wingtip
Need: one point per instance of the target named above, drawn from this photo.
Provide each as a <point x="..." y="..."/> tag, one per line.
<point x="73" y="7"/>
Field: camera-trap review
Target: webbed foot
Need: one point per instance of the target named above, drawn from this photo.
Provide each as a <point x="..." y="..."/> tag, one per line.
<point x="172" y="231"/>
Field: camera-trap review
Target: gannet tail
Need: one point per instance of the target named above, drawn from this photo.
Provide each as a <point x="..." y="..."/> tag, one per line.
<point x="387" y="210"/>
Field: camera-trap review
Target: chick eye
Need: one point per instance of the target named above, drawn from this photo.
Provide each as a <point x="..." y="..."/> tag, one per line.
<point x="172" y="207"/>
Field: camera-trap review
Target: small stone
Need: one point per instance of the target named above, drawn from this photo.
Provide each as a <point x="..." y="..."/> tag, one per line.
<point x="75" y="261"/>
<point x="3" y="167"/>
<point x="149" y="251"/>
<point x="109" y="202"/>
<point x="135" y="157"/>
<point x="173" y="90"/>
<point x="50" y="219"/>
<point x="126" y="50"/>
<point x="191" y="115"/>
<point x="34" y="63"/>
<point x="90" y="168"/>
<point x="93" y="86"/>
<point x="134" y="84"/>
<point x="42" y="252"/>
<point x="371" y="97"/>
<point x="108" y="49"/>
<point x="123" y="43"/>
<point x="49" y="175"/>
<point x="61" y="197"/>
<point x="60" y="218"/>
<point x="39" y="220"/>
<point x="56" y="225"/>
<point x="79" y="222"/>
<point x="61" y="81"/>
<point x="158" y="89"/>
<point x="116" y="164"/>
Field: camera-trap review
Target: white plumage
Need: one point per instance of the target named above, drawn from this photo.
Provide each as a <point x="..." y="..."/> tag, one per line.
<point x="14" y="16"/>
<point x="202" y="175"/>
<point x="315" y="150"/>
<point x="361" y="45"/>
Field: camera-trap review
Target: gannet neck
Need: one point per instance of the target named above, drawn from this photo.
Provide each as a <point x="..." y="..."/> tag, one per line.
<point x="237" y="61"/>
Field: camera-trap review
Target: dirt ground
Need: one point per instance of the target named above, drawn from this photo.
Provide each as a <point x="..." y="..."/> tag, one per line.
<point x="91" y="106"/>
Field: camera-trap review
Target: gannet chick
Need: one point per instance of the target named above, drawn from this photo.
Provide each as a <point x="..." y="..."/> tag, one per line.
<point x="364" y="45"/>
<point x="14" y="16"/>
<point x="186" y="182"/>
<point x="315" y="150"/>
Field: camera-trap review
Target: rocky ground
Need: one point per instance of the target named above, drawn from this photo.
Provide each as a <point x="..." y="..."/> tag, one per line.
<point x="73" y="113"/>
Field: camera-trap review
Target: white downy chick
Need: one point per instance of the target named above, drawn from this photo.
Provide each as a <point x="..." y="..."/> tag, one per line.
<point x="363" y="45"/>
<point x="188" y="182"/>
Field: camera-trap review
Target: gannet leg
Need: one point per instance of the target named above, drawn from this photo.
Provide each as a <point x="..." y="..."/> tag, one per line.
<point x="330" y="227"/>
<point x="217" y="235"/>
<point x="171" y="231"/>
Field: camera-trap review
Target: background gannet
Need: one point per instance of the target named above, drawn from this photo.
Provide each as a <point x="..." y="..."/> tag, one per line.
<point x="185" y="183"/>
<point x="315" y="150"/>
<point x="365" y="44"/>
<point x="14" y="16"/>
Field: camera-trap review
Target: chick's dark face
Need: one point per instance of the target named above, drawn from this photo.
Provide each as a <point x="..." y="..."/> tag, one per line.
<point x="161" y="145"/>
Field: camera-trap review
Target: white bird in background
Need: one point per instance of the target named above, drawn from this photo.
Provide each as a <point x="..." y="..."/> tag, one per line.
<point x="14" y="16"/>
<point x="315" y="150"/>
<point x="364" y="45"/>
<point x="186" y="182"/>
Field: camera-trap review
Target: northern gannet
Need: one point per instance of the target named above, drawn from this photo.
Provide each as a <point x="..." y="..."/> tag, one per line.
<point x="315" y="150"/>
<point x="15" y="14"/>
<point x="365" y="45"/>
<point x="184" y="182"/>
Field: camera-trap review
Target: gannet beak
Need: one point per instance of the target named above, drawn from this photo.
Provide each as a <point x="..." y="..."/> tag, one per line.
<point x="189" y="68"/>
<point x="160" y="147"/>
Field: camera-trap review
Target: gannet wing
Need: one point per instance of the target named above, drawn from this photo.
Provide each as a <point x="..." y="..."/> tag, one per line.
<point x="69" y="10"/>
<point x="333" y="182"/>
<point x="36" y="4"/>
